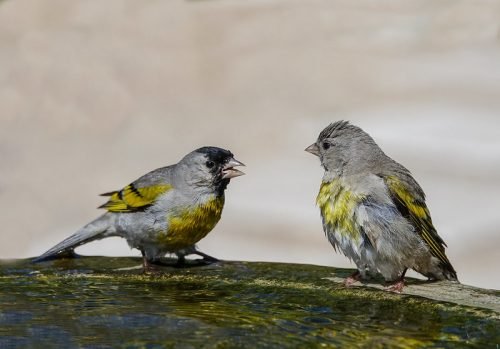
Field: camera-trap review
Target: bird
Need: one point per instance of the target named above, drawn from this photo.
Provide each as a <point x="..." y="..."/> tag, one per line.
<point x="374" y="211"/>
<point x="166" y="211"/>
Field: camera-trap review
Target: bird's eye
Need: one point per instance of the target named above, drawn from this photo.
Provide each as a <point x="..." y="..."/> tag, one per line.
<point x="326" y="145"/>
<point x="210" y="164"/>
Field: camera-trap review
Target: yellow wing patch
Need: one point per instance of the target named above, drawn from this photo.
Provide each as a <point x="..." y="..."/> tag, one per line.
<point x="419" y="209"/>
<point x="131" y="199"/>
<point x="416" y="211"/>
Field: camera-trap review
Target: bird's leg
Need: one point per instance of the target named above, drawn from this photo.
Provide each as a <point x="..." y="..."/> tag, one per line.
<point x="354" y="277"/>
<point x="397" y="286"/>
<point x="146" y="265"/>
<point x="181" y="260"/>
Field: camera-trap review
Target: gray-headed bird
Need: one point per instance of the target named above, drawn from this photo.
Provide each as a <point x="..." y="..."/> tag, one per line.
<point x="167" y="210"/>
<point x="374" y="211"/>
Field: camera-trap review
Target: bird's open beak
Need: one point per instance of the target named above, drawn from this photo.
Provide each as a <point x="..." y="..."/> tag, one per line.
<point x="313" y="149"/>
<point x="228" y="171"/>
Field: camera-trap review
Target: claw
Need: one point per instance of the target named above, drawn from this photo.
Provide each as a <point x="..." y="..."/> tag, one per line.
<point x="207" y="258"/>
<point x="147" y="266"/>
<point x="351" y="279"/>
<point x="396" y="287"/>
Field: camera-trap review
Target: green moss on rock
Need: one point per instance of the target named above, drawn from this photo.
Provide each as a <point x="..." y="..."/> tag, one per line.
<point x="98" y="301"/>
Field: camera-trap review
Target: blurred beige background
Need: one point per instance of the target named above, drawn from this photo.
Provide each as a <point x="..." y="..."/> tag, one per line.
<point x="94" y="94"/>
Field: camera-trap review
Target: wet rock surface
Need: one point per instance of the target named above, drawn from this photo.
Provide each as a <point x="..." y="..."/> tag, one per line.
<point x="109" y="302"/>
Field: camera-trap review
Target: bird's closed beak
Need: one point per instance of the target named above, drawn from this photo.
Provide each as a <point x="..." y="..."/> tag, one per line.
<point x="313" y="149"/>
<point x="228" y="171"/>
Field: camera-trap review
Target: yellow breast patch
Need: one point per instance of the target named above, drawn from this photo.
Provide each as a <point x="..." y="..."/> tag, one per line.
<point x="337" y="205"/>
<point x="191" y="225"/>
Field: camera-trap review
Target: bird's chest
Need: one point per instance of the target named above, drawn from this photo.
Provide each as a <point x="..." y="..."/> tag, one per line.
<point x="337" y="204"/>
<point x="188" y="226"/>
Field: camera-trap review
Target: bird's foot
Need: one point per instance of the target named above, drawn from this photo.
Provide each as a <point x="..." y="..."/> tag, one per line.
<point x="396" y="287"/>
<point x="353" y="278"/>
<point x="182" y="263"/>
<point x="207" y="258"/>
<point x="148" y="267"/>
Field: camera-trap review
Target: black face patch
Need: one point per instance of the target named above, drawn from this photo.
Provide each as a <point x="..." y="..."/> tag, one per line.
<point x="218" y="155"/>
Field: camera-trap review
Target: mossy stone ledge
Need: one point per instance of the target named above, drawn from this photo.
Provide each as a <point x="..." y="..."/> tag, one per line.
<point x="109" y="302"/>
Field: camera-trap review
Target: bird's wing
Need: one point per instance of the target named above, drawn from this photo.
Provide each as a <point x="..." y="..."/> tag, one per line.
<point x="411" y="204"/>
<point x="132" y="198"/>
<point x="139" y="194"/>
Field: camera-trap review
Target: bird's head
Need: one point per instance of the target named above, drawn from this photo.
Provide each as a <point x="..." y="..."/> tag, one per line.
<point x="211" y="167"/>
<point x="342" y="146"/>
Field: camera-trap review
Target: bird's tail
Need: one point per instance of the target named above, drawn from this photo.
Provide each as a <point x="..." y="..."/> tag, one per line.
<point x="98" y="229"/>
<point x="439" y="271"/>
<point x="449" y="272"/>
